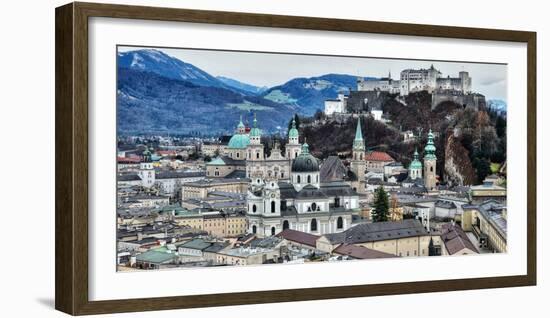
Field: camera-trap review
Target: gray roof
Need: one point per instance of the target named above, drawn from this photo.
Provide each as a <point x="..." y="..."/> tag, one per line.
<point x="197" y="244"/>
<point x="333" y="169"/>
<point x="179" y="174"/>
<point x="128" y="177"/>
<point x="379" y="231"/>
<point x="310" y="192"/>
<point x="445" y="204"/>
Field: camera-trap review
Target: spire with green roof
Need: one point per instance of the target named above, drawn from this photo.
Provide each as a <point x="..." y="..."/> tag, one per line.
<point x="358" y="143"/>
<point x="293" y="132"/>
<point x="255" y="131"/>
<point x="429" y="150"/>
<point x="305" y="148"/>
<point x="415" y="163"/>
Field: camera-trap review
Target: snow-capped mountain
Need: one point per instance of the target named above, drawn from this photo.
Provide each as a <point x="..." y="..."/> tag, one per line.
<point x="155" y="61"/>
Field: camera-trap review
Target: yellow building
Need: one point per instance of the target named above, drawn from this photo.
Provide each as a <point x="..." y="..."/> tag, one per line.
<point x="200" y="189"/>
<point x="403" y="238"/>
<point x="214" y="222"/>
<point x="488" y="222"/>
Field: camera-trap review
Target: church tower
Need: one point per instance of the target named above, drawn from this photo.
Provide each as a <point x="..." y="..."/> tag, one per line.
<point x="429" y="163"/>
<point x="293" y="148"/>
<point x="358" y="165"/>
<point x="415" y="168"/>
<point x="146" y="170"/>
<point x="255" y="148"/>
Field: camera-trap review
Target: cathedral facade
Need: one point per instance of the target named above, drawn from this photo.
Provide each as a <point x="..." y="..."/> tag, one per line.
<point x="302" y="203"/>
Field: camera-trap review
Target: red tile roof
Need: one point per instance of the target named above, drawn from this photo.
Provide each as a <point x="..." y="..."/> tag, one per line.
<point x="127" y="160"/>
<point x="299" y="237"/>
<point x="378" y="156"/>
<point x="360" y="252"/>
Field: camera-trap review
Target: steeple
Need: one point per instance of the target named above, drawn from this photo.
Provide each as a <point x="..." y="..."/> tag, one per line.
<point x="358" y="143"/>
<point x="240" y="127"/>
<point x="305" y="148"/>
<point x="429" y="150"/>
<point x="255" y="131"/>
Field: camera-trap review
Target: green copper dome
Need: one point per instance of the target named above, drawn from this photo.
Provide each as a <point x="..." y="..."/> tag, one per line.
<point x="293" y="132"/>
<point x="238" y="141"/>
<point x="255" y="131"/>
<point x="415" y="164"/>
<point x="429" y="150"/>
<point x="305" y="161"/>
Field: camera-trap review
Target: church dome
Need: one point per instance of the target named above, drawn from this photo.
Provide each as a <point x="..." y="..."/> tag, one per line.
<point x="293" y="132"/>
<point x="305" y="161"/>
<point x="238" y="141"/>
<point x="415" y="164"/>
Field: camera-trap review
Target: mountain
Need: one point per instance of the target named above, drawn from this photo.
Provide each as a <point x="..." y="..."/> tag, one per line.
<point x="150" y="103"/>
<point x="497" y="104"/>
<point x="244" y="87"/>
<point x="309" y="94"/>
<point x="155" y="61"/>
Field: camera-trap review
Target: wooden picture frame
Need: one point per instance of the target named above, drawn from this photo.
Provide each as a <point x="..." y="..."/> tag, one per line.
<point x="71" y="222"/>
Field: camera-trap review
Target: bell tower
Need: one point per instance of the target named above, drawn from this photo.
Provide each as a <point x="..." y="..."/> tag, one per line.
<point x="293" y="148"/>
<point x="430" y="163"/>
<point x="358" y="165"/>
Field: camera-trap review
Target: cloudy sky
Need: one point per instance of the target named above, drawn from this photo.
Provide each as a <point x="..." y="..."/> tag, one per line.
<point x="269" y="69"/>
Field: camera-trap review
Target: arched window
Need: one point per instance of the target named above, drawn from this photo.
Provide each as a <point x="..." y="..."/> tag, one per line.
<point x="340" y="223"/>
<point x="298" y="179"/>
<point x="249" y="155"/>
<point x="272" y="206"/>
<point x="257" y="155"/>
<point x="285" y="225"/>
<point x="254" y="229"/>
<point x="314" y="206"/>
<point x="254" y="208"/>
<point x="308" y="178"/>
<point x="237" y="155"/>
<point x="361" y="156"/>
<point x="272" y="230"/>
<point x="313" y="225"/>
<point x="431" y="169"/>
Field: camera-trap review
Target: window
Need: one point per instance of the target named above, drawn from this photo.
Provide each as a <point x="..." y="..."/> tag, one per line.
<point x="431" y="169"/>
<point x="313" y="225"/>
<point x="340" y="223"/>
<point x="336" y="202"/>
<point x="308" y="178"/>
<point x="254" y="229"/>
<point x="257" y="155"/>
<point x="298" y="179"/>
<point x="272" y="206"/>
<point x="254" y="208"/>
<point x="272" y="230"/>
<point x="314" y="206"/>
<point x="237" y="155"/>
<point x="285" y="225"/>
<point x="282" y="175"/>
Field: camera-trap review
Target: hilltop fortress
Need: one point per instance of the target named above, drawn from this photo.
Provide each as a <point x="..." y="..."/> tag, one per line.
<point x="455" y="89"/>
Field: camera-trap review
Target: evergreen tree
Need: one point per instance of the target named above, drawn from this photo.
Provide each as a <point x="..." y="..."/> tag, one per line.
<point x="381" y="205"/>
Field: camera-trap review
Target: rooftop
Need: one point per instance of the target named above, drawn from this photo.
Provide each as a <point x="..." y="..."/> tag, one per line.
<point x="379" y="231"/>
<point x="299" y="237"/>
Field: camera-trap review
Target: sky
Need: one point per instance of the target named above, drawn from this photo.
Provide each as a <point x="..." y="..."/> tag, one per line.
<point x="271" y="69"/>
